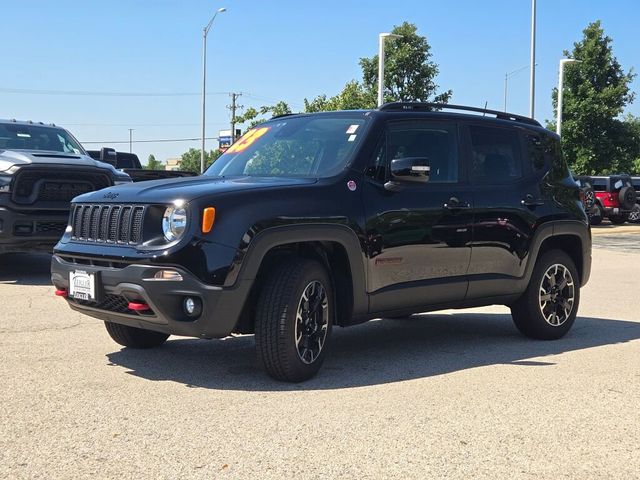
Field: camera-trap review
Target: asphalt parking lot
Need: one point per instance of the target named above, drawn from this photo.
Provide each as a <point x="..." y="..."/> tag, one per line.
<point x="455" y="394"/>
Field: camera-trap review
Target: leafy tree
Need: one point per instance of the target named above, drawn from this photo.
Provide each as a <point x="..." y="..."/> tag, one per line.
<point x="409" y="72"/>
<point x="153" y="164"/>
<point x="595" y="139"/>
<point x="254" y="116"/>
<point x="190" y="160"/>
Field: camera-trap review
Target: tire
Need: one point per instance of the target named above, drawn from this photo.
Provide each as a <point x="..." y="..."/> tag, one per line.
<point x="595" y="218"/>
<point x="135" y="337"/>
<point x="627" y="197"/>
<point x="634" y="216"/>
<point x="618" y="219"/>
<point x="280" y="303"/>
<point x="527" y="312"/>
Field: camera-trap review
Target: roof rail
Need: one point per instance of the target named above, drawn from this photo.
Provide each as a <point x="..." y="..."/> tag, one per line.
<point x="283" y="115"/>
<point x="428" y="107"/>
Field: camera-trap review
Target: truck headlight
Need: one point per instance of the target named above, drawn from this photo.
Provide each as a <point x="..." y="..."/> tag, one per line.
<point x="174" y="223"/>
<point x="5" y="183"/>
<point x="122" y="180"/>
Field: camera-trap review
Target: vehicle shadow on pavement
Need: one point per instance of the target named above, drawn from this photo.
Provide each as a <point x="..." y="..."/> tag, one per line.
<point x="25" y="269"/>
<point x="374" y="353"/>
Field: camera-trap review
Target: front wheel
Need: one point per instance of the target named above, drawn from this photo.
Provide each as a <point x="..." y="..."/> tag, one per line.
<point x="135" y="337"/>
<point x="595" y="216"/>
<point x="294" y="316"/>
<point x="548" y="308"/>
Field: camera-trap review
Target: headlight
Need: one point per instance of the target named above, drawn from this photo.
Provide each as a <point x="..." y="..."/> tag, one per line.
<point x="122" y="180"/>
<point x="174" y="223"/>
<point x="5" y="183"/>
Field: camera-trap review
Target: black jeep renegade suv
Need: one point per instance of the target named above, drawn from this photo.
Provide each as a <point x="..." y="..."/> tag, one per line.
<point x="317" y="220"/>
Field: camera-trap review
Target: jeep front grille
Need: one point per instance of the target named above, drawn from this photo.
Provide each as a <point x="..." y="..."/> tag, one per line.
<point x="107" y="223"/>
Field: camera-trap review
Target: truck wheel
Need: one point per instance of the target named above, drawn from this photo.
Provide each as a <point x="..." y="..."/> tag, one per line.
<point x="595" y="216"/>
<point x="548" y="308"/>
<point x="617" y="219"/>
<point x="634" y="216"/>
<point x="294" y="316"/>
<point x="135" y="337"/>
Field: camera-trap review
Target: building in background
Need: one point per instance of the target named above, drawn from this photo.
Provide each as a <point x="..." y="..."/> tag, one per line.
<point x="172" y="164"/>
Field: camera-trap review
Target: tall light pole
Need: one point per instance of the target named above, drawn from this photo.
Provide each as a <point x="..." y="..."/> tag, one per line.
<point x="563" y="62"/>
<point x="507" y="76"/>
<point x="381" y="38"/>
<point x="532" y="64"/>
<point x="131" y="140"/>
<point x="205" y="31"/>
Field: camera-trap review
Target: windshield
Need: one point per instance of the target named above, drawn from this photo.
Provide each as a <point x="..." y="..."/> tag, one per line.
<point x="307" y="146"/>
<point x="17" y="136"/>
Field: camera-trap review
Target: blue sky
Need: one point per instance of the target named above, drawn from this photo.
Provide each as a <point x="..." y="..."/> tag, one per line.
<point x="269" y="50"/>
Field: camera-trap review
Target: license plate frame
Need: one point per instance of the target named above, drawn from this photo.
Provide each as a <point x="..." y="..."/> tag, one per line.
<point x="84" y="285"/>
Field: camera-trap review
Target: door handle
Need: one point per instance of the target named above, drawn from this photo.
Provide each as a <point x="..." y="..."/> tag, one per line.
<point x="530" y="201"/>
<point x="455" y="204"/>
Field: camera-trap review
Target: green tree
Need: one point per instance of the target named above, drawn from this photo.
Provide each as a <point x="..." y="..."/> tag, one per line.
<point x="190" y="160"/>
<point x="595" y="138"/>
<point x="153" y="164"/>
<point x="409" y="73"/>
<point x="253" y="116"/>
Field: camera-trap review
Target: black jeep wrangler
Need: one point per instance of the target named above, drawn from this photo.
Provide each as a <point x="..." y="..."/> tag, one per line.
<point x="316" y="220"/>
<point x="42" y="168"/>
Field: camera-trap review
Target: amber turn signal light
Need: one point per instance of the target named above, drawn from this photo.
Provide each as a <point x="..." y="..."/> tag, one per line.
<point x="208" y="217"/>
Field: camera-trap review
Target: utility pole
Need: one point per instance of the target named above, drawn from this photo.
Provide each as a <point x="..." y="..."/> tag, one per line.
<point x="233" y="107"/>
<point x="532" y="86"/>
<point x="131" y="140"/>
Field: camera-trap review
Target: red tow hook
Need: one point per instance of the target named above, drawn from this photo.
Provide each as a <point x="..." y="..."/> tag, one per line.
<point x="61" y="292"/>
<point x="138" y="307"/>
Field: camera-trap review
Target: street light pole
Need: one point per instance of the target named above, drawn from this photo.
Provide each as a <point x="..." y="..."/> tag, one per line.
<point x="205" y="31"/>
<point x="131" y="140"/>
<point x="381" y="38"/>
<point x="563" y="62"/>
<point x="532" y="65"/>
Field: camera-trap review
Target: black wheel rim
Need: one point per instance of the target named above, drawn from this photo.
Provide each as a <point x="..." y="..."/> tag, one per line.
<point x="589" y="199"/>
<point x="312" y="322"/>
<point x="557" y="295"/>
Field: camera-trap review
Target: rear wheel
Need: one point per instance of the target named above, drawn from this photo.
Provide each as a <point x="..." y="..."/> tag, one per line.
<point x="549" y="306"/>
<point x="294" y="316"/>
<point x="135" y="337"/>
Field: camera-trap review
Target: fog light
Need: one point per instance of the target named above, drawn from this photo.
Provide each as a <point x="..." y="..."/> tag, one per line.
<point x="192" y="306"/>
<point x="168" y="275"/>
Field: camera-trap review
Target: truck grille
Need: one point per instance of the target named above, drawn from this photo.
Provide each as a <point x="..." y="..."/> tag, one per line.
<point x="33" y="185"/>
<point x="107" y="223"/>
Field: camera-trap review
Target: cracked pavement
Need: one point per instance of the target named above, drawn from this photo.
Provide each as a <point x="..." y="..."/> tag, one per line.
<point x="455" y="394"/>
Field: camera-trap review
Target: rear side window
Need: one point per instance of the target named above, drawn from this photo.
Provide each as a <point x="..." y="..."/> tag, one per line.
<point x="535" y="150"/>
<point x="495" y="155"/>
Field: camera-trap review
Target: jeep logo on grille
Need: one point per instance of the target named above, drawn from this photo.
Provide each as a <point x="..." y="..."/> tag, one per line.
<point x="110" y="195"/>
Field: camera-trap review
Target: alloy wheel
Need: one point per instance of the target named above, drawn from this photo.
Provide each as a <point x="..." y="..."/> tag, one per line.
<point x="312" y="322"/>
<point x="557" y="295"/>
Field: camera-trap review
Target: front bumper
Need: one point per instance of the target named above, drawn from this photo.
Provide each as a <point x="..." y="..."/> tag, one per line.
<point x="221" y="307"/>
<point x="28" y="231"/>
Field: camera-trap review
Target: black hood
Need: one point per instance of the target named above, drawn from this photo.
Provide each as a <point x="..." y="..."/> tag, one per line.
<point x="187" y="188"/>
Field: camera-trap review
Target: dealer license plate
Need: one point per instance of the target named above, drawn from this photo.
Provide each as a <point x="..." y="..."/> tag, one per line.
<point x="82" y="285"/>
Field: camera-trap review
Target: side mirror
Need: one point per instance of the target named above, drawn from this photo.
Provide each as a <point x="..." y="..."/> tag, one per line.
<point x="410" y="169"/>
<point x="108" y="155"/>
